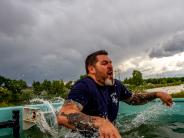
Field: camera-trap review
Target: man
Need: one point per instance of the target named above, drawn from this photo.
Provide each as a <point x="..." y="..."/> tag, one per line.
<point x="93" y="102"/>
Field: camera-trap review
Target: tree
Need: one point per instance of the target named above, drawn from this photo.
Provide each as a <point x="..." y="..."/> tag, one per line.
<point x="37" y="87"/>
<point x="46" y="85"/>
<point x="4" y="94"/>
<point x="137" y="78"/>
<point x="83" y="76"/>
<point x="2" y="80"/>
<point x="15" y="86"/>
<point x="27" y="94"/>
<point x="57" y="87"/>
<point x="69" y="84"/>
<point x="22" y="84"/>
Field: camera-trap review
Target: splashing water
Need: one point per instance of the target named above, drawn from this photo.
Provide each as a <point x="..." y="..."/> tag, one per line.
<point x="151" y="113"/>
<point x="46" y="119"/>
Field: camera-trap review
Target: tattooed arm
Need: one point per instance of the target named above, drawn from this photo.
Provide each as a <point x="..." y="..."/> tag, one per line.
<point x="71" y="116"/>
<point x="142" y="98"/>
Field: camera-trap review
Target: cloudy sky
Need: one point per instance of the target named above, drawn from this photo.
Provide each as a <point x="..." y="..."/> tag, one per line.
<point x="49" y="39"/>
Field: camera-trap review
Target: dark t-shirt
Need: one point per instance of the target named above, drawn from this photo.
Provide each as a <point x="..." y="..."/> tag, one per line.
<point x="99" y="100"/>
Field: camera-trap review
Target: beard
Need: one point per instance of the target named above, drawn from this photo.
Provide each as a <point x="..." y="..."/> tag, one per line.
<point x="109" y="82"/>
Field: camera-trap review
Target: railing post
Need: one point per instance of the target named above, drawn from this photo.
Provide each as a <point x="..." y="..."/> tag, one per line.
<point x="16" y="125"/>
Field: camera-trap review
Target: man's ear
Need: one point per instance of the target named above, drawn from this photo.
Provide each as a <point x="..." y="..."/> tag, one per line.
<point x="91" y="69"/>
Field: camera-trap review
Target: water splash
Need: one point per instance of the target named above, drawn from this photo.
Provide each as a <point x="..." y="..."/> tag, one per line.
<point x="78" y="135"/>
<point x="46" y="118"/>
<point x="151" y="113"/>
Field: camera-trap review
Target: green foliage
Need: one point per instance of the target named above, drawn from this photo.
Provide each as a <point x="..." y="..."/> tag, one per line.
<point x="83" y="76"/>
<point x="4" y="94"/>
<point x="2" y="80"/>
<point x="46" y="85"/>
<point x="27" y="94"/>
<point x="137" y="84"/>
<point x="136" y="89"/>
<point x="57" y="87"/>
<point x="37" y="87"/>
<point x="173" y="81"/>
<point x="5" y="104"/>
<point x="15" y="85"/>
<point x="11" y="89"/>
<point x="69" y="84"/>
<point x="136" y="78"/>
<point x="178" y="95"/>
<point x="126" y="81"/>
<point x="51" y="88"/>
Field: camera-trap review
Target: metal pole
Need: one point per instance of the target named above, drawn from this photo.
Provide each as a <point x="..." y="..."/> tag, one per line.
<point x="16" y="125"/>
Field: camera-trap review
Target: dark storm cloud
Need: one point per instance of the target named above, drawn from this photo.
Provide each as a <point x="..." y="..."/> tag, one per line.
<point x="170" y="47"/>
<point x="50" y="39"/>
<point x="15" y="17"/>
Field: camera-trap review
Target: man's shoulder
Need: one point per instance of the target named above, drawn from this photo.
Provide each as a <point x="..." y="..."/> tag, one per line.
<point x="117" y="82"/>
<point x="86" y="81"/>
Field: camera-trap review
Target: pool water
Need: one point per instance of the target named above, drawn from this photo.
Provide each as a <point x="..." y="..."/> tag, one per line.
<point x="152" y="120"/>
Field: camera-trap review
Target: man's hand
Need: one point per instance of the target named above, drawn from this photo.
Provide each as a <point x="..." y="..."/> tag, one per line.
<point x="107" y="129"/>
<point x="166" y="98"/>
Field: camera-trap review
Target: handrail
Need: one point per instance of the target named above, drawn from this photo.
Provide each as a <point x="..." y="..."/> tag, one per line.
<point x="14" y="124"/>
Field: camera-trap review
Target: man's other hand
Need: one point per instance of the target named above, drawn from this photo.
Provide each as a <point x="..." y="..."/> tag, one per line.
<point x="166" y="98"/>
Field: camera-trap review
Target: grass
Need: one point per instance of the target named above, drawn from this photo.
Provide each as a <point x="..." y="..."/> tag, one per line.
<point x="5" y="104"/>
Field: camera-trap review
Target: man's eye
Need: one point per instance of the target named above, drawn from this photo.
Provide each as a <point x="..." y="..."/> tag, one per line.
<point x="104" y="63"/>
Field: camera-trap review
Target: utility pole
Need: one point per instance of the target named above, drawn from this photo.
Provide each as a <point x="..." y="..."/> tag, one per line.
<point x="117" y="74"/>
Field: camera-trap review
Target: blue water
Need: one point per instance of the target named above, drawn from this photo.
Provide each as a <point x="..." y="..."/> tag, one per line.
<point x="152" y="120"/>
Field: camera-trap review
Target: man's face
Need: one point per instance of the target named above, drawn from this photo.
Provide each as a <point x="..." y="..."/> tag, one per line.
<point x="104" y="70"/>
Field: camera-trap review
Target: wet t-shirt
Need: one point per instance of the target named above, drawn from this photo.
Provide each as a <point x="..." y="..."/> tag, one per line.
<point x="99" y="100"/>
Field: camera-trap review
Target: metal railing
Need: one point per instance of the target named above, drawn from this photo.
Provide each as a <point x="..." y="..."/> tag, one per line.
<point x="14" y="124"/>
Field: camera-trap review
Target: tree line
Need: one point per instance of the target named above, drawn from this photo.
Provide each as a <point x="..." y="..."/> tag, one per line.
<point x="137" y="80"/>
<point x="50" y="88"/>
<point x="13" y="91"/>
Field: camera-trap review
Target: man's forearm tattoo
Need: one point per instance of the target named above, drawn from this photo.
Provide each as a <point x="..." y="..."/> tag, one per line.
<point x="80" y="121"/>
<point x="141" y="98"/>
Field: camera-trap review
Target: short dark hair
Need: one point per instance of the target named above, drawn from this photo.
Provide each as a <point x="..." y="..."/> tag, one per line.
<point x="91" y="59"/>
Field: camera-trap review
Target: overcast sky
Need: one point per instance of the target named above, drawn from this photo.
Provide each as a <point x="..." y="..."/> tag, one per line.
<point x="49" y="39"/>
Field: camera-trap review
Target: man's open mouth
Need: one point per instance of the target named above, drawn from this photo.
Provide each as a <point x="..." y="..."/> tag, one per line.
<point x="109" y="73"/>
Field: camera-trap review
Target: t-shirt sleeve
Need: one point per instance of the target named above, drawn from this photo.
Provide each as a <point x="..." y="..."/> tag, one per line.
<point x="79" y="93"/>
<point x="125" y="93"/>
